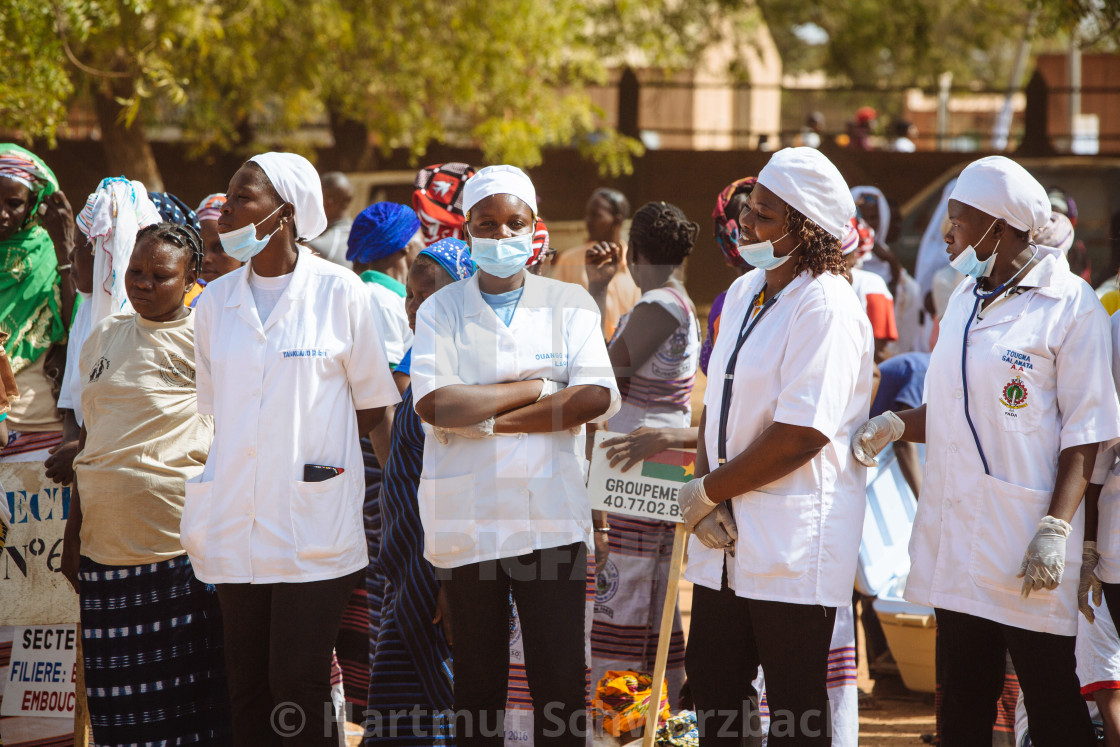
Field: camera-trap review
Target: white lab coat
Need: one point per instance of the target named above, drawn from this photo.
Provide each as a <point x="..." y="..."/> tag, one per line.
<point x="1038" y="382"/>
<point x="511" y="494"/>
<point x="1107" y="474"/>
<point x="282" y="396"/>
<point x="808" y="362"/>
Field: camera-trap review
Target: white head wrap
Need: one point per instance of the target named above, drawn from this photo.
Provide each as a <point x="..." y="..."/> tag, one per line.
<point x="110" y="219"/>
<point x="297" y="182"/>
<point x="499" y="180"/>
<point x="809" y="182"/>
<point x="1003" y="189"/>
<point x="1057" y="233"/>
<point x="867" y="190"/>
<point x="931" y="250"/>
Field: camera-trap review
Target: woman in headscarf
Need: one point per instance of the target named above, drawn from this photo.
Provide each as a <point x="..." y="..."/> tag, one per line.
<point x="151" y="632"/>
<point x="292" y="369"/>
<point x="410" y="655"/>
<point x="795" y="364"/>
<point x="215" y="261"/>
<point x="1018" y="397"/>
<point x="36" y="296"/>
<point x="438" y="200"/>
<point x="507" y="367"/>
<point x="383" y="241"/>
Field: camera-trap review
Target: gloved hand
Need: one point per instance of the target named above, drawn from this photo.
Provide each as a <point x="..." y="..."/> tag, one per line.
<point x="717" y="530"/>
<point x="549" y="388"/>
<point x="874" y="435"/>
<point x="1045" y="558"/>
<point x="481" y="429"/>
<point x="694" y="503"/>
<point x="1089" y="582"/>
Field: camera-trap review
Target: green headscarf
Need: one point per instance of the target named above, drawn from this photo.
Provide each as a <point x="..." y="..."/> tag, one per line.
<point x="30" y="300"/>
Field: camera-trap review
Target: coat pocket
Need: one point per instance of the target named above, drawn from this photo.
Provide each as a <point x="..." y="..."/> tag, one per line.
<point x="778" y="534"/>
<point x="1004" y="525"/>
<point x="447" y="511"/>
<point x="326" y="517"/>
<point x="196" y="515"/>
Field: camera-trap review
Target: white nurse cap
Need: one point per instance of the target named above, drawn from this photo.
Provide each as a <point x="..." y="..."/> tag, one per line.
<point x="1003" y="189"/>
<point x="499" y="180"/>
<point x="809" y="182"/>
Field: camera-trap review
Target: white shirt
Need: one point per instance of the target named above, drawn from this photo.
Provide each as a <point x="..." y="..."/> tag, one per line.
<point x="511" y="494"/>
<point x="283" y="395"/>
<point x="1107" y="474"/>
<point x="70" y="395"/>
<point x="392" y="321"/>
<point x="809" y="363"/>
<point x="331" y="243"/>
<point x="1039" y="381"/>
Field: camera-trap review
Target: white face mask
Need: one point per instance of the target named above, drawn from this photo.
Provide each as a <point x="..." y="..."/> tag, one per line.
<point x="761" y="254"/>
<point x="242" y="243"/>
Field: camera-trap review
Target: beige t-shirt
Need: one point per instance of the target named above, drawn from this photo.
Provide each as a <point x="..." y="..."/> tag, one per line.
<point x="570" y="266"/>
<point x="144" y="438"/>
<point x="35" y="410"/>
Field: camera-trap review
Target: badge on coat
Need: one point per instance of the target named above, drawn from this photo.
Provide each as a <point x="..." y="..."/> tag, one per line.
<point x="1014" y="394"/>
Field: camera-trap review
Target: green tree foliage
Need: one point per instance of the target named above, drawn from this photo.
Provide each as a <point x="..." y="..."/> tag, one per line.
<point x="901" y="42"/>
<point x="508" y="75"/>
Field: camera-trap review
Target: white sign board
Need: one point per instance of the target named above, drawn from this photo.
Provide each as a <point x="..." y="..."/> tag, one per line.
<point x="42" y="672"/>
<point x="648" y="489"/>
<point x="32" y="587"/>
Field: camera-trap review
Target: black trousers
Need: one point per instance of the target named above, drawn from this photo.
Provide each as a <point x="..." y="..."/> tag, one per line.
<point x="549" y="587"/>
<point x="729" y="638"/>
<point x="971" y="666"/>
<point x="279" y="639"/>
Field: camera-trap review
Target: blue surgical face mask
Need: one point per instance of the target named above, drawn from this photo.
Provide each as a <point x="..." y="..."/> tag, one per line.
<point x="761" y="254"/>
<point x="502" y="258"/>
<point x="242" y="244"/>
<point x="967" y="263"/>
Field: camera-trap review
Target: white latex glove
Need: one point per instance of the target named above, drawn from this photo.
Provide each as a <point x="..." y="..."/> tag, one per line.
<point x="874" y="435"/>
<point x="694" y="503"/>
<point x="1090" y="582"/>
<point x="549" y="388"/>
<point x="717" y="530"/>
<point x="1045" y="558"/>
<point x="481" y="429"/>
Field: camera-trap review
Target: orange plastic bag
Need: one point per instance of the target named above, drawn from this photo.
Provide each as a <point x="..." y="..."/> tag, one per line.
<point x="623" y="700"/>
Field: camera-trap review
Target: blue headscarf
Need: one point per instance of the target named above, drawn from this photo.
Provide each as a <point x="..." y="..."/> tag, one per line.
<point x="174" y="210"/>
<point x="452" y="255"/>
<point x="380" y="231"/>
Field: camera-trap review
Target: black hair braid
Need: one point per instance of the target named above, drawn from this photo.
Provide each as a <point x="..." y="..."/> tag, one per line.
<point x="184" y="237"/>
<point x="662" y="233"/>
<point x="820" y="250"/>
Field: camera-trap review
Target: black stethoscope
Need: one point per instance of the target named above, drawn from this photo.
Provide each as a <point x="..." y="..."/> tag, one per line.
<point x="749" y="323"/>
<point x="981" y="298"/>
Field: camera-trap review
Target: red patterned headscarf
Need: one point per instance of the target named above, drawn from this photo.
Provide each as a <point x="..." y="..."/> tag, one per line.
<point x="438" y="200"/>
<point x="727" y="229"/>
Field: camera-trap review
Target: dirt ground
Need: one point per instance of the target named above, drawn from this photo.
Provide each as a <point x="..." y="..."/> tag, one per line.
<point x="889" y="716"/>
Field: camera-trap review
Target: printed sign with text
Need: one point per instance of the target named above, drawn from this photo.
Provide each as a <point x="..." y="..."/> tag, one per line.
<point x="41" y="674"/>
<point x="648" y="490"/>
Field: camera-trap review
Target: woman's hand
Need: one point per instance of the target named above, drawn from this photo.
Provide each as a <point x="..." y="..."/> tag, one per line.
<point x="602" y="551"/>
<point x="58" y="219"/>
<point x="60" y="463"/>
<point x="443" y="615"/>
<point x="602" y="260"/>
<point x="637" y="446"/>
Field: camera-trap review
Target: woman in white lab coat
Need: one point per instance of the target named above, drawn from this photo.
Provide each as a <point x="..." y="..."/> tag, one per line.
<point x="1018" y="396"/>
<point x="790" y="381"/>
<point x="290" y="364"/>
<point x="507" y="367"/>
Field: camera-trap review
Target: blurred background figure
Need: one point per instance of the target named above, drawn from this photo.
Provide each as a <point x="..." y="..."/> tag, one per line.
<point x="607" y="210"/>
<point x="860" y="128"/>
<point x="337" y="196"/>
<point x="813" y="130"/>
<point x="903" y="133"/>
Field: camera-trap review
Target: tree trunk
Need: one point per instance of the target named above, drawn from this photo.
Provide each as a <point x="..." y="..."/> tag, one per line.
<point x="352" y="151"/>
<point x="127" y="149"/>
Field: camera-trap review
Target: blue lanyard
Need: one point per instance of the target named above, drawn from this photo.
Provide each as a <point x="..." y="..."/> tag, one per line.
<point x="729" y="372"/>
<point x="980" y="298"/>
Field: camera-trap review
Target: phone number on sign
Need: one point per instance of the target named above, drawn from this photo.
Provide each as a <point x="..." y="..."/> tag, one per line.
<point x="668" y="509"/>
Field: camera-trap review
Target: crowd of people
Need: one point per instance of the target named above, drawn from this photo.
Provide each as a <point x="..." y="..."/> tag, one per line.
<point x="316" y="459"/>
